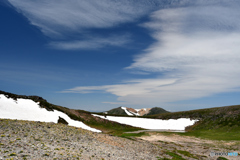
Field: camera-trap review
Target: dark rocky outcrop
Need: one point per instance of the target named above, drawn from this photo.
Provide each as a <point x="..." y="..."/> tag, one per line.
<point x="62" y="120"/>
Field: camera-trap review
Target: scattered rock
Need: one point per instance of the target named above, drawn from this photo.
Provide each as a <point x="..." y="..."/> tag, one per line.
<point x="62" y="120"/>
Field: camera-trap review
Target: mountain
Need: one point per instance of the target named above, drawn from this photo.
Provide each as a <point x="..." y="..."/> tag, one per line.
<point x="117" y="111"/>
<point x="156" y="110"/>
<point x="136" y="112"/>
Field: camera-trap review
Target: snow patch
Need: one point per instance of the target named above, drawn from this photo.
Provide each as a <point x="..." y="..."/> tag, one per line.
<point x="26" y="109"/>
<point x="136" y="114"/>
<point x="147" y="123"/>
<point x="126" y="111"/>
<point x="137" y="110"/>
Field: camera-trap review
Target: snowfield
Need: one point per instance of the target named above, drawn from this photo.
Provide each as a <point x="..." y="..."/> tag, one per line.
<point x="26" y="109"/>
<point x="147" y="123"/>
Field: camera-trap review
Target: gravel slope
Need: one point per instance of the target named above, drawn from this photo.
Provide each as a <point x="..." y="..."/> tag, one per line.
<point x="39" y="140"/>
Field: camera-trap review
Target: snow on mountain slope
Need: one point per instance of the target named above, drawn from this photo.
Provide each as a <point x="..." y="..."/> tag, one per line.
<point x="143" y="111"/>
<point x="148" y="123"/>
<point x="128" y="113"/>
<point x="136" y="114"/>
<point x="132" y="112"/>
<point x="26" y="109"/>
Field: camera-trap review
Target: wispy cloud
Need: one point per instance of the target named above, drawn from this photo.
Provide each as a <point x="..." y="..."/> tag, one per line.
<point x="197" y="50"/>
<point x="134" y="89"/>
<point x="58" y="19"/>
<point x="92" y="43"/>
<point x="119" y="103"/>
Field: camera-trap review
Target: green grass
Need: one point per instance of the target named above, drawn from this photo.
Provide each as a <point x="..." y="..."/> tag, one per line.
<point x="13" y="154"/>
<point x="174" y="156"/>
<point x="162" y="158"/>
<point x="221" y="158"/>
<point x="134" y="134"/>
<point x="187" y="154"/>
<point x="215" y="134"/>
<point x="131" y="136"/>
<point x="226" y="129"/>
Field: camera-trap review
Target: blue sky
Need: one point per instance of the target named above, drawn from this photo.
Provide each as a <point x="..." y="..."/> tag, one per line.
<point x="97" y="55"/>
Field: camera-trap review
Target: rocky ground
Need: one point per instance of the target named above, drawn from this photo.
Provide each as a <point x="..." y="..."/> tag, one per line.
<point x="193" y="145"/>
<point x="38" y="140"/>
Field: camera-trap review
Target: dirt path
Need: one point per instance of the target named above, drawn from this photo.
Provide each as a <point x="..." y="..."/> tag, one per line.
<point x="156" y="130"/>
<point x="175" y="138"/>
<point x="194" y="145"/>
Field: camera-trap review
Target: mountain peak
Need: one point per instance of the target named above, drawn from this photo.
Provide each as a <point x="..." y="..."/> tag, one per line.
<point x="136" y="112"/>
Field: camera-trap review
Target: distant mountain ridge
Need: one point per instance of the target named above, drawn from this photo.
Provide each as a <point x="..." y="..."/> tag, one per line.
<point x="136" y="112"/>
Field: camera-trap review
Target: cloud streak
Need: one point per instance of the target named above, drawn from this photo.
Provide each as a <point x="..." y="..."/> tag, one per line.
<point x="197" y="51"/>
<point x="92" y="43"/>
<point x="58" y="19"/>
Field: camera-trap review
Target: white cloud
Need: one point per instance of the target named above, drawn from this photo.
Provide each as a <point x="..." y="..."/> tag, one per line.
<point x="134" y="87"/>
<point x="59" y="17"/>
<point x="197" y="45"/>
<point x="69" y="23"/>
<point x="197" y="50"/>
<point x="120" y="103"/>
<point x="92" y="43"/>
<point x="87" y="89"/>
